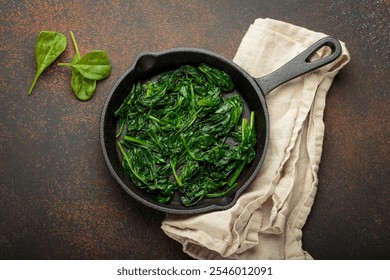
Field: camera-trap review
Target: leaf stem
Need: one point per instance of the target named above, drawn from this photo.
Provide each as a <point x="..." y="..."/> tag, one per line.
<point x="138" y="141"/>
<point x="33" y="83"/>
<point x="173" y="166"/>
<point x="121" y="126"/>
<point x="243" y="128"/>
<point x="64" y="64"/>
<point x="188" y="149"/>
<point x="129" y="163"/>
<point x="156" y="119"/>
<point x="237" y="173"/>
<point x="213" y="195"/>
<point x="252" y="120"/>
<point x="74" y="44"/>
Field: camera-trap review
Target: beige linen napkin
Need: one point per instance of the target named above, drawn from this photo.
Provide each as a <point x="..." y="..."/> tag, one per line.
<point x="267" y="219"/>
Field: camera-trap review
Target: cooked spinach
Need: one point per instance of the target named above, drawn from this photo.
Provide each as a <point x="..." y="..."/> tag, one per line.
<point x="180" y="134"/>
<point x="48" y="47"/>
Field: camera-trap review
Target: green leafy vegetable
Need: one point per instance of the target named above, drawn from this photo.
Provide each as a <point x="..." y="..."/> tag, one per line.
<point x="180" y="134"/>
<point x="48" y="47"/>
<point x="83" y="87"/>
<point x="94" y="65"/>
<point x="217" y="76"/>
<point x="87" y="70"/>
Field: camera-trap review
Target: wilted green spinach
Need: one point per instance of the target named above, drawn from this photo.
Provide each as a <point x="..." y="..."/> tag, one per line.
<point x="86" y="70"/>
<point x="48" y="47"/>
<point x="180" y="134"/>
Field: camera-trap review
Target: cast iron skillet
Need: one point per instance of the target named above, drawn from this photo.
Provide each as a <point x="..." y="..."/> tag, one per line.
<point x="252" y="90"/>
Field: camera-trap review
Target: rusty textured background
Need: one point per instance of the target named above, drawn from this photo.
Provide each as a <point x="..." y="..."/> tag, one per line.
<point x="57" y="198"/>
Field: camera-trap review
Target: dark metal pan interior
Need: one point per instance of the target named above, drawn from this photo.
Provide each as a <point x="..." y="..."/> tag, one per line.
<point x="145" y="67"/>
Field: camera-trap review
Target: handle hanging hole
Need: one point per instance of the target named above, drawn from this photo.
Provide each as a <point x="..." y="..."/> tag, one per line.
<point x="315" y="55"/>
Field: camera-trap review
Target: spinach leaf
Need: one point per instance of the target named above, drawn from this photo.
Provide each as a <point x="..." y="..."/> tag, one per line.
<point x="86" y="70"/>
<point x="218" y="77"/>
<point x="83" y="87"/>
<point x="95" y="65"/>
<point x="180" y="134"/>
<point x="48" y="47"/>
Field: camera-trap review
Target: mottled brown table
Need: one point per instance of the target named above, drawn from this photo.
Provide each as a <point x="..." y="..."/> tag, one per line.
<point x="57" y="198"/>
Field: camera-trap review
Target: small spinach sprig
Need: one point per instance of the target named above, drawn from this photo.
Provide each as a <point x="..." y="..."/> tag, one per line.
<point x="49" y="46"/>
<point x="86" y="70"/>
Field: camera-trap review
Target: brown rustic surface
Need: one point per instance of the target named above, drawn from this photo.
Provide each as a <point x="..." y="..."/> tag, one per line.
<point x="57" y="198"/>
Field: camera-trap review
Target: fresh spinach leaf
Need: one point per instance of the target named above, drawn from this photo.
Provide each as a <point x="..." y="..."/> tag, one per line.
<point x="95" y="65"/>
<point x="48" y="47"/>
<point x="86" y="70"/>
<point x="83" y="87"/>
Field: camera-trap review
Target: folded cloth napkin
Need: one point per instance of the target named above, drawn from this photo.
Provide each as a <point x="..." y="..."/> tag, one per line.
<point x="267" y="219"/>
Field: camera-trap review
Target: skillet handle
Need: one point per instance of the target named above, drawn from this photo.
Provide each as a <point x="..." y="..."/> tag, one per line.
<point x="300" y="65"/>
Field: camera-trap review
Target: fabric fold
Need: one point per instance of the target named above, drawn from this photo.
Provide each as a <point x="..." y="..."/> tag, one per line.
<point x="267" y="220"/>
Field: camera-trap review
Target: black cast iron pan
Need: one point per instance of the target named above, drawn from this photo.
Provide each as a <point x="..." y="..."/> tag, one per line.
<point x="252" y="90"/>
